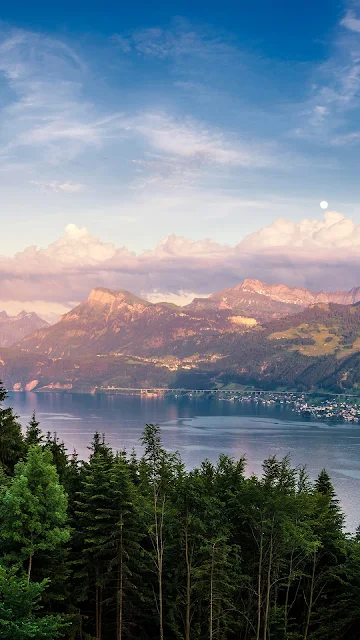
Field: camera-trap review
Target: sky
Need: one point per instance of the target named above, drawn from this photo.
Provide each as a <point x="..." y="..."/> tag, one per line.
<point x="174" y="149"/>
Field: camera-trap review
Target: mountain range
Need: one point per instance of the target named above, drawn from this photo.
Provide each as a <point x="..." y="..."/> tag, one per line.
<point x="267" y="336"/>
<point x="14" y="328"/>
<point x="264" y="301"/>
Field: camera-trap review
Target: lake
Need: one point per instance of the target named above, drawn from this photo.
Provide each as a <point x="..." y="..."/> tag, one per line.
<point x="202" y="428"/>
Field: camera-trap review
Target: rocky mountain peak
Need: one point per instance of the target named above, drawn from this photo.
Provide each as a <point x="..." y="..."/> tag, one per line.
<point x="252" y="284"/>
<point x="102" y="295"/>
<point x="105" y="296"/>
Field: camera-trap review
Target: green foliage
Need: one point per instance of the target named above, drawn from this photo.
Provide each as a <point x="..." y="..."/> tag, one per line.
<point x="12" y="446"/>
<point x="33" y="508"/>
<point x="33" y="432"/>
<point x="20" y="610"/>
<point x="153" y="551"/>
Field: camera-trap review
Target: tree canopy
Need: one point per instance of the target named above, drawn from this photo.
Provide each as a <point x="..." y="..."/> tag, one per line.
<point x="126" y="547"/>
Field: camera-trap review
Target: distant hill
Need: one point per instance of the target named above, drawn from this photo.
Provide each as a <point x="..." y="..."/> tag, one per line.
<point x="14" y="328"/>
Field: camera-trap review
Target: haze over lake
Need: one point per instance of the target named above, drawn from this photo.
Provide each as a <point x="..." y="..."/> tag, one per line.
<point x="202" y="428"/>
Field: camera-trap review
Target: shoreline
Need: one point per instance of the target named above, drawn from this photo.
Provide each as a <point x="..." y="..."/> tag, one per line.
<point x="309" y="405"/>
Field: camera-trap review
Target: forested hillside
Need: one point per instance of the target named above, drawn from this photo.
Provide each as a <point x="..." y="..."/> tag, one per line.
<point x="316" y="349"/>
<point x="125" y="547"/>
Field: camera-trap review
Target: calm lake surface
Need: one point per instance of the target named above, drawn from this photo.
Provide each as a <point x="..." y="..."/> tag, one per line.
<point x="200" y="428"/>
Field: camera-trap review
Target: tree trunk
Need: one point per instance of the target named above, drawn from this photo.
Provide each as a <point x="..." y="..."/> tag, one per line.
<point x="97" y="612"/>
<point x="268" y="588"/>
<point x="29" y="567"/>
<point x="311" y="599"/>
<point x="259" y="584"/>
<point x="31" y="554"/>
<point x="159" y="544"/>
<point x="286" y="606"/>
<point x="188" y="586"/>
<point x="211" y="591"/>
<point x="120" y="590"/>
<point x="100" y="611"/>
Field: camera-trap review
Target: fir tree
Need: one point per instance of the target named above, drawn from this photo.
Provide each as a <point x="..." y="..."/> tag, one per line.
<point x="94" y="528"/>
<point x="33" y="432"/>
<point x="124" y="545"/>
<point x="159" y="470"/>
<point x="12" y="446"/>
<point x="59" y="454"/>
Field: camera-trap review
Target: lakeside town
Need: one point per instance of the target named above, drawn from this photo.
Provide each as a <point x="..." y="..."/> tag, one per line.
<point x="319" y="406"/>
<point x="337" y="408"/>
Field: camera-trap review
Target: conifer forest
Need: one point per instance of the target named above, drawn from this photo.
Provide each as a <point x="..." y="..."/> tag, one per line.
<point x="125" y="547"/>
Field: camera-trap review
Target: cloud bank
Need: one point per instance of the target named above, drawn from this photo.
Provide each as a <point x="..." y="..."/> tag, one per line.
<point x="319" y="254"/>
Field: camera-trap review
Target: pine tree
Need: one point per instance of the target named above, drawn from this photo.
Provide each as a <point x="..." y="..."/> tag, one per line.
<point x="328" y="556"/>
<point x="94" y="527"/>
<point x="59" y="455"/>
<point x="33" y="508"/>
<point x="159" y="471"/>
<point x="124" y="545"/>
<point x="33" y="432"/>
<point x="12" y="446"/>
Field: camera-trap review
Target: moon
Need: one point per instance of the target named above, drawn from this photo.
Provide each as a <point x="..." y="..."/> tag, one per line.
<point x="324" y="204"/>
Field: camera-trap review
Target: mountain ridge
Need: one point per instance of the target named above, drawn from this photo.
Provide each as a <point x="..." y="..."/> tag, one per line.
<point x="118" y="321"/>
<point x="264" y="301"/>
<point x="316" y="349"/>
<point x="116" y="338"/>
<point x="14" y="328"/>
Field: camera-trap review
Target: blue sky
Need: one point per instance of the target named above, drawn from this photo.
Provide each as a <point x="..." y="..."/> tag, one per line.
<point x="139" y="121"/>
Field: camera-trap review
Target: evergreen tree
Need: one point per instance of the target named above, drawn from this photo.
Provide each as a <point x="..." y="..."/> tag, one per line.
<point x="11" y="440"/>
<point x="159" y="471"/>
<point x="33" y="432"/>
<point x="124" y="545"/>
<point x="324" y="571"/>
<point x="94" y="527"/>
<point x="20" y="610"/>
<point x="33" y="508"/>
<point x="59" y="455"/>
<point x="227" y="557"/>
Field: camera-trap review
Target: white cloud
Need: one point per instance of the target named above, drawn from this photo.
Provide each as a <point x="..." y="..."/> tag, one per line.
<point x="55" y="187"/>
<point x="335" y="231"/>
<point x="326" y="116"/>
<point x="185" y="150"/>
<point x="181" y="298"/>
<point x="77" y="247"/>
<point x="194" y="140"/>
<point x="48" y="120"/>
<point x="319" y="254"/>
<point x="177" y="44"/>
<point x="44" y="108"/>
<point x="351" y="22"/>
